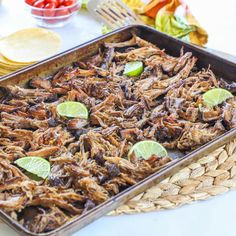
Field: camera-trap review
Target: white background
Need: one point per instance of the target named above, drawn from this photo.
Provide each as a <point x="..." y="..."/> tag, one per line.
<point x="215" y="217"/>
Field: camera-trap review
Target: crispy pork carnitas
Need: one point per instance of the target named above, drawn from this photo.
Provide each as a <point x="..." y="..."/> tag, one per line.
<point x="88" y="156"/>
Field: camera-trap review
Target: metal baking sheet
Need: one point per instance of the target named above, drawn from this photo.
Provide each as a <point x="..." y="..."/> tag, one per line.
<point x="221" y="67"/>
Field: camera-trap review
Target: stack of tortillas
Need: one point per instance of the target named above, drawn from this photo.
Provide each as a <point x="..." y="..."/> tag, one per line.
<point x="26" y="47"/>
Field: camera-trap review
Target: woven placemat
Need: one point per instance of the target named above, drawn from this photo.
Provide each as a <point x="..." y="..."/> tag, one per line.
<point x="212" y="175"/>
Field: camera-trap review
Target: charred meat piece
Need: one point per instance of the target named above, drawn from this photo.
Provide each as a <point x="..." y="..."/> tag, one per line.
<point x="167" y="129"/>
<point x="39" y="220"/>
<point x="76" y="124"/>
<point x="229" y="115"/>
<point x="211" y="114"/>
<point x="228" y="86"/>
<point x="33" y="94"/>
<point x="18" y="122"/>
<point x="138" y="54"/>
<point x="40" y="83"/>
<point x="14" y="202"/>
<point x="44" y="152"/>
<point x="95" y="192"/>
<point x="195" y="135"/>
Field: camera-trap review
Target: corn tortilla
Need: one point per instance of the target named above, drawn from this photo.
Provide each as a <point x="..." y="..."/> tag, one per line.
<point x="5" y="64"/>
<point x="30" y="45"/>
<point x="5" y="61"/>
<point x="7" y="67"/>
<point x="5" y="72"/>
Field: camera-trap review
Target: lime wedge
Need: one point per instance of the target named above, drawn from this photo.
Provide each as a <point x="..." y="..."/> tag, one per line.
<point x="216" y="96"/>
<point x="72" y="109"/>
<point x="35" y="165"/>
<point x="33" y="176"/>
<point x="145" y="149"/>
<point x="134" y="68"/>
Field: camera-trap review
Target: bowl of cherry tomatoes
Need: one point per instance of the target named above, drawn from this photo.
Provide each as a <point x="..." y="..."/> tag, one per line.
<point x="53" y="13"/>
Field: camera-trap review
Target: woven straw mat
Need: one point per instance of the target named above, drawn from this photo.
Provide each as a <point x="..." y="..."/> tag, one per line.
<point x="211" y="175"/>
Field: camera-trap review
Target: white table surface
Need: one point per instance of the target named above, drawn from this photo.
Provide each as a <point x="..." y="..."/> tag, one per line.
<point x="215" y="217"/>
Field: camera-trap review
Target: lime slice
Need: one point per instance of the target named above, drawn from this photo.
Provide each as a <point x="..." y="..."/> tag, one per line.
<point x="145" y="149"/>
<point x="216" y="96"/>
<point x="33" y="176"/>
<point x="134" y="68"/>
<point x="35" y="165"/>
<point x="72" y="109"/>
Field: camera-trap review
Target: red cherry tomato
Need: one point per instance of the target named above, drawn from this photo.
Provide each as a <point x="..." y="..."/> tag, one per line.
<point x="60" y="2"/>
<point x="30" y="2"/>
<point x="50" y="12"/>
<point x="39" y="4"/>
<point x="62" y="12"/>
<point x="50" y="6"/>
<point x="69" y="2"/>
<point x="56" y="2"/>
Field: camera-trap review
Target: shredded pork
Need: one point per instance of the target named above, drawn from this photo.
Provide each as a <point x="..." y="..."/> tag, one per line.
<point x="88" y="157"/>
